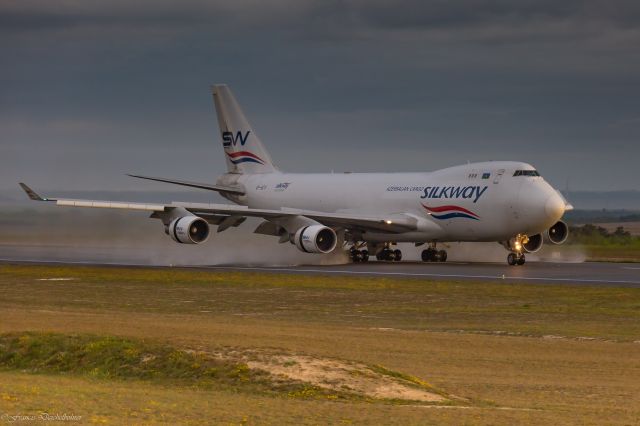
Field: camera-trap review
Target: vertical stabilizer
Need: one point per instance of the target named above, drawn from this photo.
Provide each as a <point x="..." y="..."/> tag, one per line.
<point x="243" y="150"/>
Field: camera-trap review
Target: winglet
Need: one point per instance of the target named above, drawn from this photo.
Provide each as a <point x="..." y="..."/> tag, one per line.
<point x="32" y="194"/>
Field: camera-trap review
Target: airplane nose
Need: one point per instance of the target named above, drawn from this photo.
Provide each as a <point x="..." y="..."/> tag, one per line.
<point x="554" y="207"/>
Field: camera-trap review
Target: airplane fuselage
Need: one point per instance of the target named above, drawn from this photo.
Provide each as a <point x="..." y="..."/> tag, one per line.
<point x="472" y="202"/>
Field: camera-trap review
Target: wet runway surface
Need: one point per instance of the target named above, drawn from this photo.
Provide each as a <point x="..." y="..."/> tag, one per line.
<point x="602" y="274"/>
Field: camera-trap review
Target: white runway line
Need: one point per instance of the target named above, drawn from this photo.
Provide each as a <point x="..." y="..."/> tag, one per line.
<point x="417" y="274"/>
<point x="80" y="262"/>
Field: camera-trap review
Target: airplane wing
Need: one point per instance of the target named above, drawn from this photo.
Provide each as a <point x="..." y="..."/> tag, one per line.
<point x="218" y="188"/>
<point x="215" y="213"/>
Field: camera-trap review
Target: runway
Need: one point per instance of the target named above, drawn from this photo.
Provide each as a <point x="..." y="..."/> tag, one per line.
<point x="601" y="274"/>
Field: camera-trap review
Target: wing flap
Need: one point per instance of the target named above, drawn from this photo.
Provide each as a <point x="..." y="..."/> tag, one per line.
<point x="112" y="205"/>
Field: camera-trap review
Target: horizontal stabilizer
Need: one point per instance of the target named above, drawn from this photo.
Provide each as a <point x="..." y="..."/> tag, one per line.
<point x="218" y="188"/>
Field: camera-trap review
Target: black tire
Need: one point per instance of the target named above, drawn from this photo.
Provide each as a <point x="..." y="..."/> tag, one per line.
<point x="512" y="259"/>
<point x="397" y="255"/>
<point x="364" y="254"/>
<point x="383" y="255"/>
<point x="442" y="255"/>
<point x="426" y="255"/>
<point x="521" y="260"/>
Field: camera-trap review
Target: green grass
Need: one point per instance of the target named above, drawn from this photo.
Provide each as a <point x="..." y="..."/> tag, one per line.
<point x="482" y="342"/>
<point x="526" y="309"/>
<point x="119" y="358"/>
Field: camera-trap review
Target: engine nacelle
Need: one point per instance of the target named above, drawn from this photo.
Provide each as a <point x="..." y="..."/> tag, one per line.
<point x="315" y="239"/>
<point x="189" y="230"/>
<point x="558" y="233"/>
<point x="533" y="244"/>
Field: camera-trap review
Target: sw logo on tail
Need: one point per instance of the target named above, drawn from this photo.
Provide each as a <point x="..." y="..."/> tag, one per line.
<point x="228" y="139"/>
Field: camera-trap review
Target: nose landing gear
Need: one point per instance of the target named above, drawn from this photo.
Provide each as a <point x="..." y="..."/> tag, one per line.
<point x="516" y="245"/>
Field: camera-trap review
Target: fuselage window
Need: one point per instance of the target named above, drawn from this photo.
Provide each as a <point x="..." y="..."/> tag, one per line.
<point x="526" y="173"/>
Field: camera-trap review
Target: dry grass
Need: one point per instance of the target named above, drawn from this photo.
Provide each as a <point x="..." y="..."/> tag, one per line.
<point x="454" y="335"/>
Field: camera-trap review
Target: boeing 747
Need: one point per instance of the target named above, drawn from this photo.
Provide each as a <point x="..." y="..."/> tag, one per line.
<point x="365" y="213"/>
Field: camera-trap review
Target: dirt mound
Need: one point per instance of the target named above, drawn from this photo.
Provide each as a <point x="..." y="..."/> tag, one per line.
<point x="372" y="381"/>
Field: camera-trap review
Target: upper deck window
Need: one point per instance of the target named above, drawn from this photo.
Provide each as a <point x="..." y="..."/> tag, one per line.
<point x="526" y="173"/>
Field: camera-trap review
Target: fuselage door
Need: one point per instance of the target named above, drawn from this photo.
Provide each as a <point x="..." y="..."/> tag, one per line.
<point x="499" y="174"/>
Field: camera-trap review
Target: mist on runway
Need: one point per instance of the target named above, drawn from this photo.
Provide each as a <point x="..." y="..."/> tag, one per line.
<point x="51" y="233"/>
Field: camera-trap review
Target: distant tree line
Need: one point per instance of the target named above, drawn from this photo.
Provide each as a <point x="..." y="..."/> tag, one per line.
<point x="597" y="235"/>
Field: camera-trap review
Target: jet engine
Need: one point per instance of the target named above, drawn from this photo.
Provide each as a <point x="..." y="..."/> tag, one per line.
<point x="558" y="233"/>
<point x="188" y="230"/>
<point x="315" y="239"/>
<point x="534" y="244"/>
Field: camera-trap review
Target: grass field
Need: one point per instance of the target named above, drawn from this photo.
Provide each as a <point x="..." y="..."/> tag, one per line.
<point x="117" y="345"/>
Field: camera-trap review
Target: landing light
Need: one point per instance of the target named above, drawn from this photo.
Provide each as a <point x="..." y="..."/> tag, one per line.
<point x="388" y="222"/>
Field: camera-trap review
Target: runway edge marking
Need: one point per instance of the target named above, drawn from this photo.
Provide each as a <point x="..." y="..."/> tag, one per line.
<point x="415" y="274"/>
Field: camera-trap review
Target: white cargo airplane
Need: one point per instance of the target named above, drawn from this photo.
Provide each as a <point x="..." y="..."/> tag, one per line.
<point x="506" y="202"/>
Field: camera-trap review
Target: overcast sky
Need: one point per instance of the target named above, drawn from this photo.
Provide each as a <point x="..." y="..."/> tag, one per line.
<point x="90" y="90"/>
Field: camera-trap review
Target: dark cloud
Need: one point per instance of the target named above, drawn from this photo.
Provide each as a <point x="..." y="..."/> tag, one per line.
<point x="478" y="13"/>
<point x="103" y="87"/>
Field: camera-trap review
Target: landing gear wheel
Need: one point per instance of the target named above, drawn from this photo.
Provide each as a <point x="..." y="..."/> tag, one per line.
<point x="358" y="255"/>
<point x="426" y="255"/>
<point x="429" y="255"/>
<point x="514" y="259"/>
<point x="397" y="255"/>
<point x="389" y="255"/>
<point x="433" y="255"/>
<point x="364" y="255"/>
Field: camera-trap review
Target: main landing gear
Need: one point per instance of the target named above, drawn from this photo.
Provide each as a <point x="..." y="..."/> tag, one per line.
<point x="358" y="255"/>
<point x="387" y="253"/>
<point x="432" y="254"/>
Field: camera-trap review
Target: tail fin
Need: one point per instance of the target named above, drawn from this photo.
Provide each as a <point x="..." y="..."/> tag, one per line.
<point x="243" y="150"/>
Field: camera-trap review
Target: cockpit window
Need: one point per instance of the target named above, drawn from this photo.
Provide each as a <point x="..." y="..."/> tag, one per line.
<point x="526" y="173"/>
